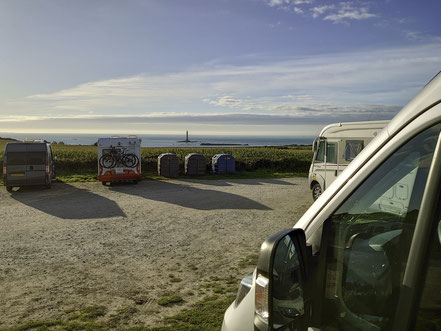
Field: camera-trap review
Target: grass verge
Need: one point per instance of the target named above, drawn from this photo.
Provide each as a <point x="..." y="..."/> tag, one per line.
<point x="204" y="315"/>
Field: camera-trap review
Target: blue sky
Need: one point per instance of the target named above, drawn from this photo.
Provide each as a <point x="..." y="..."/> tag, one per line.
<point x="267" y="67"/>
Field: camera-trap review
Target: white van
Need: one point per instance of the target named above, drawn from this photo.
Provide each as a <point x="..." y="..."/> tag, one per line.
<point x="346" y="265"/>
<point x="335" y="147"/>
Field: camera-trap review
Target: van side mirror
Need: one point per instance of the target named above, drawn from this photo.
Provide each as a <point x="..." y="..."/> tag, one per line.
<point x="281" y="294"/>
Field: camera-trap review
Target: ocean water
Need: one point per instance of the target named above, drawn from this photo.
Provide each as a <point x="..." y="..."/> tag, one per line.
<point x="169" y="140"/>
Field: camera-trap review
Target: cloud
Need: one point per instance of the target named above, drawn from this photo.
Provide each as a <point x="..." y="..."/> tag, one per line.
<point x="359" y="85"/>
<point x="320" y="10"/>
<point x="303" y="115"/>
<point x="278" y="3"/>
<point x="348" y="11"/>
<point x="341" y="12"/>
<point x="421" y="37"/>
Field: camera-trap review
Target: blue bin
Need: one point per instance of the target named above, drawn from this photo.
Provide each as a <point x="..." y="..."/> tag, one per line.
<point x="223" y="164"/>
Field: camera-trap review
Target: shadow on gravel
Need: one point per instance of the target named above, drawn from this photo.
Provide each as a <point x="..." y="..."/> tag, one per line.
<point x="241" y="181"/>
<point x="187" y="196"/>
<point x="68" y="202"/>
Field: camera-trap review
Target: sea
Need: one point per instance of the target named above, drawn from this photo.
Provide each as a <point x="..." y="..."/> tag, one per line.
<point x="152" y="140"/>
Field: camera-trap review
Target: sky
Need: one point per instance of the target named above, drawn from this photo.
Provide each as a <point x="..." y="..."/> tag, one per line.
<point x="218" y="67"/>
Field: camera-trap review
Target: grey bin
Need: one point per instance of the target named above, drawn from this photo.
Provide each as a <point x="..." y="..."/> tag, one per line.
<point x="168" y="165"/>
<point x="195" y="164"/>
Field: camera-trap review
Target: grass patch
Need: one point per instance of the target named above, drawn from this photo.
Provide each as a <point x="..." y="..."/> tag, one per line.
<point x="206" y="314"/>
<point x="122" y="316"/>
<point x="171" y="300"/>
<point x="250" y="260"/>
<point x="174" y="279"/>
<point x="67" y="177"/>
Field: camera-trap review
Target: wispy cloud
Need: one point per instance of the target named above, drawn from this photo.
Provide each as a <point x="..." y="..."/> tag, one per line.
<point x="422" y="37"/>
<point x="358" y="85"/>
<point x="348" y="11"/>
<point x="320" y="10"/>
<point x="340" y="12"/>
<point x="305" y="115"/>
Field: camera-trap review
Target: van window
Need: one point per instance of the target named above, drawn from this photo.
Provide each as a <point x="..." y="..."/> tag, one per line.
<point x="353" y="148"/>
<point x="320" y="157"/>
<point x="16" y="158"/>
<point x="331" y="153"/>
<point x="367" y="246"/>
<point x="36" y="157"/>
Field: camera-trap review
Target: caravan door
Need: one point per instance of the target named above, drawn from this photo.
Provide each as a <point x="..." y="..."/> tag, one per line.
<point x="331" y="165"/>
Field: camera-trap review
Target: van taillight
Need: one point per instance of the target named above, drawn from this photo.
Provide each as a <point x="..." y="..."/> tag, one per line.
<point x="4" y="169"/>
<point x="48" y="170"/>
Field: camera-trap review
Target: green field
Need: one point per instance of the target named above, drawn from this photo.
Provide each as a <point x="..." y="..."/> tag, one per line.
<point x="79" y="163"/>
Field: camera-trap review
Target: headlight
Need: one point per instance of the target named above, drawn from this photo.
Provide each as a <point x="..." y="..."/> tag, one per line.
<point x="261" y="299"/>
<point x="244" y="288"/>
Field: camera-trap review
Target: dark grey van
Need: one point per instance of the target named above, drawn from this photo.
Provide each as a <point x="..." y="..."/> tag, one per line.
<point x="28" y="163"/>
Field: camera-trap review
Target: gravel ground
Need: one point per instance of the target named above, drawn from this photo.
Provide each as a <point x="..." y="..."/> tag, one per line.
<point x="84" y="244"/>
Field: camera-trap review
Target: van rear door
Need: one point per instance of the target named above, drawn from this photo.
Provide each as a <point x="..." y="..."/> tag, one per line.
<point x="16" y="164"/>
<point x="36" y="164"/>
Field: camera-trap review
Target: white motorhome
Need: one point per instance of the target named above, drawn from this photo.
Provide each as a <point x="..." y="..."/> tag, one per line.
<point x="346" y="265"/>
<point x="119" y="159"/>
<point x="336" y="146"/>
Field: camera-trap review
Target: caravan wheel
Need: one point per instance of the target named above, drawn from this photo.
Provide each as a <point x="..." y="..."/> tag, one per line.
<point x="316" y="191"/>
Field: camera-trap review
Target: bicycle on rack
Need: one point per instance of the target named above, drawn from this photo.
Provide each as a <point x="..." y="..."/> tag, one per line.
<point x="118" y="156"/>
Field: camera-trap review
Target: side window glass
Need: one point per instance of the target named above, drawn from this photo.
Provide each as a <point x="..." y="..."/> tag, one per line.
<point x="370" y="238"/>
<point x="331" y="153"/>
<point x="353" y="148"/>
<point x="429" y="309"/>
<point x="320" y="157"/>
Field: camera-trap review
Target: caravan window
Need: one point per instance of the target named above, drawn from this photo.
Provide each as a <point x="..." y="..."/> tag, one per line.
<point x="353" y="148"/>
<point x="331" y="153"/>
<point x="320" y="157"/>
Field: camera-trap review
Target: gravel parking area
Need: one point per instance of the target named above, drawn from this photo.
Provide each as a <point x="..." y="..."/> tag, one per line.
<point x="85" y="244"/>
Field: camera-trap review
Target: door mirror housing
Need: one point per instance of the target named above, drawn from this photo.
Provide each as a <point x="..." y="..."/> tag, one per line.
<point x="281" y="293"/>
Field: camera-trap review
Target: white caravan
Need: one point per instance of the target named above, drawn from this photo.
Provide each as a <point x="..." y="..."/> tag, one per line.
<point x="346" y="265"/>
<point x="336" y="146"/>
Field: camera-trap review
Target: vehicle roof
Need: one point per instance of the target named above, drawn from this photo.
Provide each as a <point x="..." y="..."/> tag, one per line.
<point x="353" y="129"/>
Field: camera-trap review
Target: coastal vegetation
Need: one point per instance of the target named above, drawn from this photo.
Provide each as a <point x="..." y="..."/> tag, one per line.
<point x="79" y="162"/>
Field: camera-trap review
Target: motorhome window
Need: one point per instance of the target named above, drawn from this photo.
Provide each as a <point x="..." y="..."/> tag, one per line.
<point x="320" y="157"/>
<point x="370" y="236"/>
<point x="36" y="157"/>
<point x="331" y="153"/>
<point x="16" y="158"/>
<point x="353" y="148"/>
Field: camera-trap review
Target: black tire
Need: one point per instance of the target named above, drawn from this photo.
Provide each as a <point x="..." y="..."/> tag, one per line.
<point x="316" y="191"/>
<point x="107" y="161"/>
<point x="130" y="160"/>
<point x="9" y="189"/>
